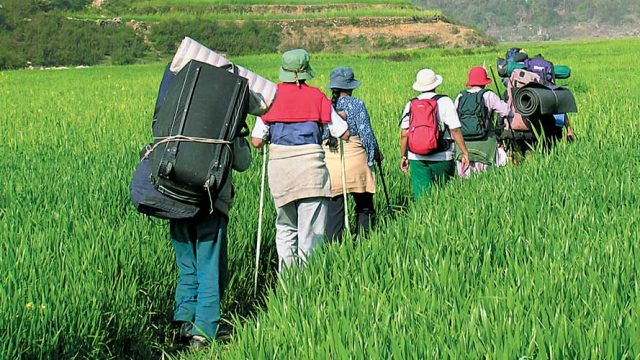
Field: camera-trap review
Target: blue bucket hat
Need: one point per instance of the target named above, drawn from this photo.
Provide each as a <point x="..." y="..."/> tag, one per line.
<point x="342" y="78"/>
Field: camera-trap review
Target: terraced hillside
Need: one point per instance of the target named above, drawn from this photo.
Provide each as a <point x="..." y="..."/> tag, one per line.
<point x="340" y="26"/>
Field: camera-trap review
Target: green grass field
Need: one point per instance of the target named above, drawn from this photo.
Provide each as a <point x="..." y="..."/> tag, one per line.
<point x="155" y="11"/>
<point x="539" y="260"/>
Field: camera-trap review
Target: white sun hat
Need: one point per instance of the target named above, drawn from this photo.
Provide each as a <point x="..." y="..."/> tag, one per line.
<point x="426" y="80"/>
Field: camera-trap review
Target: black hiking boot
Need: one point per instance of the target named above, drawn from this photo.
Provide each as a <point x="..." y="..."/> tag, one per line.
<point x="186" y="331"/>
<point x="198" y="343"/>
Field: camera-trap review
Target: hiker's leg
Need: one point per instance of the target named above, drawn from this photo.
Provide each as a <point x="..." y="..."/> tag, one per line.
<point x="335" y="218"/>
<point x="421" y="177"/>
<point x="463" y="173"/>
<point x="442" y="171"/>
<point x="183" y="239"/>
<point x="479" y="167"/>
<point x="312" y="223"/>
<point x="287" y="234"/>
<point x="210" y="248"/>
<point x="365" y="212"/>
<point x="475" y="167"/>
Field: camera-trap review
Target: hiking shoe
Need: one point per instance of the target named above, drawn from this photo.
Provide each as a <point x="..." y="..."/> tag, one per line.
<point x="186" y="330"/>
<point x="223" y="334"/>
<point x="198" y="342"/>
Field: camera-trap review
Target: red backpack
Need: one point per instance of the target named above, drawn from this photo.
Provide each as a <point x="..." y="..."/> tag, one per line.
<point x="425" y="134"/>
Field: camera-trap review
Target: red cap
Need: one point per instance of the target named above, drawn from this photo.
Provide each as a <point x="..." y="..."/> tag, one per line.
<point x="478" y="77"/>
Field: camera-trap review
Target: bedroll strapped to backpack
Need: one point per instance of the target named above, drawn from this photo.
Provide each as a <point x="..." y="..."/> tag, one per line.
<point x="204" y="110"/>
<point x="426" y="136"/>
<point x="474" y="115"/>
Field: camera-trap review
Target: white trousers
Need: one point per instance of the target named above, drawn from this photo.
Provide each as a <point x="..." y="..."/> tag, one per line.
<point x="300" y="228"/>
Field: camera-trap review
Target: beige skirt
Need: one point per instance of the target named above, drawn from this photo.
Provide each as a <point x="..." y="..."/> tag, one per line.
<point x="358" y="175"/>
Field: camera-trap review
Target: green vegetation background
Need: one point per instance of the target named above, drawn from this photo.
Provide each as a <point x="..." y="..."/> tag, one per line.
<point x="539" y="260"/>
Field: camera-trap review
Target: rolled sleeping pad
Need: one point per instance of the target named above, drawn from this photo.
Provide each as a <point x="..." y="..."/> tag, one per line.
<point x="262" y="91"/>
<point x="537" y="99"/>
<point x="562" y="71"/>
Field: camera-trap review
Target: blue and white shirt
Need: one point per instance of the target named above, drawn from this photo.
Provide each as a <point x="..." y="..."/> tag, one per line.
<point x="359" y="124"/>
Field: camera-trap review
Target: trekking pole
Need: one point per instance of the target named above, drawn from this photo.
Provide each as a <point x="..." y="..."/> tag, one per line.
<point x="260" y="211"/>
<point x="344" y="188"/>
<point x="493" y="75"/>
<point x="384" y="185"/>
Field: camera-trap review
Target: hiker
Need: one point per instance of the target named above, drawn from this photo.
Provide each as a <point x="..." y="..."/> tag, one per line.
<point x="476" y="107"/>
<point x="200" y="244"/>
<point x="360" y="152"/>
<point x="428" y="125"/>
<point x="525" y="133"/>
<point x="298" y="176"/>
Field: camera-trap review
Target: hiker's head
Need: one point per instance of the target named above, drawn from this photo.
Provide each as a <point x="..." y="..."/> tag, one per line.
<point x="427" y="80"/>
<point x="341" y="81"/>
<point x="295" y="66"/>
<point x="478" y="77"/>
<point x="342" y="78"/>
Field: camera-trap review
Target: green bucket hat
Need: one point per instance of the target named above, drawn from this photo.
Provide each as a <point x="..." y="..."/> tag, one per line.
<point x="295" y="66"/>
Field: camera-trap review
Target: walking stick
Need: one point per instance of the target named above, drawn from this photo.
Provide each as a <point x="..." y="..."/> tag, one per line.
<point x="493" y="75"/>
<point x="260" y="211"/>
<point x="384" y="184"/>
<point x="344" y="188"/>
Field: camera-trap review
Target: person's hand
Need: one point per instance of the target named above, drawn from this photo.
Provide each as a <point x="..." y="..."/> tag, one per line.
<point x="570" y="136"/>
<point x="465" y="162"/>
<point x="404" y="164"/>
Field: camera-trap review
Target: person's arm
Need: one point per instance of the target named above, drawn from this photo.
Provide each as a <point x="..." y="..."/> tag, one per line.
<point x="449" y="116"/>
<point x="404" y="138"/>
<point x="338" y="128"/>
<point x="570" y="135"/>
<point x="404" y="142"/>
<point x="367" y="137"/>
<point x="494" y="103"/>
<point x="456" y="134"/>
<point x="260" y="134"/>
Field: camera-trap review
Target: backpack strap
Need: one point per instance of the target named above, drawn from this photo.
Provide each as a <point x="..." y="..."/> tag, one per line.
<point x="443" y="127"/>
<point x="408" y="113"/>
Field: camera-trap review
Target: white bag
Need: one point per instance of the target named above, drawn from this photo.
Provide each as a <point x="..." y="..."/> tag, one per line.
<point x="263" y="91"/>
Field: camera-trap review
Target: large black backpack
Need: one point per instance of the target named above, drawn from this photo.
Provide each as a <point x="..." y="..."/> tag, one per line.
<point x="474" y="115"/>
<point x="204" y="110"/>
<point x="144" y="195"/>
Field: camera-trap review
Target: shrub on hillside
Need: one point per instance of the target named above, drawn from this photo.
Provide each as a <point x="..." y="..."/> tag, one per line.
<point x="52" y="40"/>
<point x="229" y="38"/>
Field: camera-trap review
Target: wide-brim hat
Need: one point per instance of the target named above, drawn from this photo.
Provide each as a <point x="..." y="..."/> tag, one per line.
<point x="342" y="78"/>
<point x="427" y="80"/>
<point x="478" y="77"/>
<point x="295" y="66"/>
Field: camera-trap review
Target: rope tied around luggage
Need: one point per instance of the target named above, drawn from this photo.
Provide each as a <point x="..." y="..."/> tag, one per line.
<point x="182" y="138"/>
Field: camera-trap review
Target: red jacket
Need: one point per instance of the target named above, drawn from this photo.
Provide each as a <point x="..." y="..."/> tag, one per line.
<point x="298" y="104"/>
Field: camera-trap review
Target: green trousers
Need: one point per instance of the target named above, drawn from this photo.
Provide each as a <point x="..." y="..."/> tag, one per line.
<point x="424" y="174"/>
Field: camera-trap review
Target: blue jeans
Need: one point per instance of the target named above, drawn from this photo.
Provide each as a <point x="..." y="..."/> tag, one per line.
<point x="201" y="255"/>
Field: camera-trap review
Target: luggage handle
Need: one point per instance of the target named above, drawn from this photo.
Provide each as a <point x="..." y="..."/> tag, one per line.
<point x="230" y="66"/>
<point x="214" y="175"/>
<point x="166" y="165"/>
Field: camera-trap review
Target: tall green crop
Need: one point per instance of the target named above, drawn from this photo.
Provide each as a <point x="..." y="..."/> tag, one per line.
<point x="535" y="260"/>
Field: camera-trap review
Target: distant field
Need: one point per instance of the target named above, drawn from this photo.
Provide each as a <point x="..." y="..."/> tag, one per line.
<point x="539" y="260"/>
<point x="261" y="2"/>
<point x="154" y="11"/>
